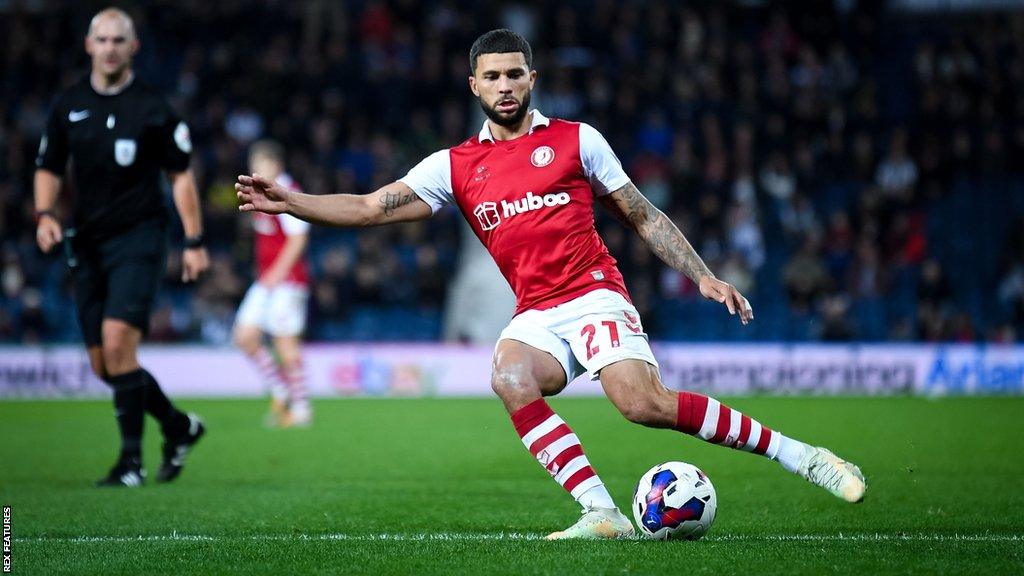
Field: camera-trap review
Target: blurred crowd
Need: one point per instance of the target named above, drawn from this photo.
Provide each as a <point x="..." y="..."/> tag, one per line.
<point x="855" y="172"/>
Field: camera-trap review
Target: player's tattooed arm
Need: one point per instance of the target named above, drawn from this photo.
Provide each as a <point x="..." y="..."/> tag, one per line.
<point x="394" y="202"/>
<point x="664" y="238"/>
<point x="668" y="242"/>
<point x="391" y="201"/>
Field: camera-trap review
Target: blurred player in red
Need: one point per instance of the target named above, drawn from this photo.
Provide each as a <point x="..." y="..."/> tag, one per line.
<point x="527" y="185"/>
<point x="275" y="305"/>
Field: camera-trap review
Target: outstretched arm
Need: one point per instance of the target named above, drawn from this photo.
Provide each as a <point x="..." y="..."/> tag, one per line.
<point x="668" y="242"/>
<point x="395" y="202"/>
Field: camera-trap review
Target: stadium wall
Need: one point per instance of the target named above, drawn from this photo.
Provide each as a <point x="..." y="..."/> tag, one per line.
<point x="443" y="370"/>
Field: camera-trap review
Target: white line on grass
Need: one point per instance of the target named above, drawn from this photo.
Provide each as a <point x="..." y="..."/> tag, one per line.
<point x="484" y="536"/>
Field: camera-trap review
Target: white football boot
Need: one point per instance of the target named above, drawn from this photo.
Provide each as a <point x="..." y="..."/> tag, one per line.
<point x="597" y="524"/>
<point x="841" y="478"/>
<point x="298" y="416"/>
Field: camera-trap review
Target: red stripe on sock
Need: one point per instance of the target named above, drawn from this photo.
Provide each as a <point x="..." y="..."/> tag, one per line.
<point x="744" y="431"/>
<point x="530" y="416"/>
<point x="690" y="414"/>
<point x="565" y="457"/>
<point x="580" y="475"/>
<point x="724" y="423"/>
<point x="545" y="440"/>
<point x="765" y="440"/>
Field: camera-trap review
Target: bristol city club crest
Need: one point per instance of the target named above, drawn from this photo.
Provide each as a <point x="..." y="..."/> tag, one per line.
<point x="124" y="151"/>
<point x="542" y="156"/>
<point x="487" y="214"/>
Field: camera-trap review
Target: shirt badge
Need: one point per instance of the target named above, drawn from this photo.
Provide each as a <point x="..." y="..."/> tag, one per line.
<point x="124" y="151"/>
<point x="542" y="156"/>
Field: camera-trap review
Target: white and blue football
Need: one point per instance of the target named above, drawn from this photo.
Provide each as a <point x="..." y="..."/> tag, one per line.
<point x="674" y="500"/>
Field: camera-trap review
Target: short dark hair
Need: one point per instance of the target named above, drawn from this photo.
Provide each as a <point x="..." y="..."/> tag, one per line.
<point x="500" y="41"/>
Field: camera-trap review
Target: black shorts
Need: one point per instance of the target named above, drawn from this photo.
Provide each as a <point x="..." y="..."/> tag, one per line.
<point x="117" y="277"/>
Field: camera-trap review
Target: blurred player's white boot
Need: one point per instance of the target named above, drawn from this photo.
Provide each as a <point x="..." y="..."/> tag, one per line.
<point x="300" y="415"/>
<point x="597" y="524"/>
<point x="841" y="478"/>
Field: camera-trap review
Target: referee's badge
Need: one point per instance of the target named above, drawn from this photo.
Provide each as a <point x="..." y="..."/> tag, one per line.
<point x="182" y="138"/>
<point x="124" y="151"/>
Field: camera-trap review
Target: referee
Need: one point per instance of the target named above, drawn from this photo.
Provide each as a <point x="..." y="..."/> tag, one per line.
<point x="120" y="136"/>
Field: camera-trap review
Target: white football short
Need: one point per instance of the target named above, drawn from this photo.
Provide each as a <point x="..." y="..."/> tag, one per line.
<point x="585" y="334"/>
<point x="280" y="311"/>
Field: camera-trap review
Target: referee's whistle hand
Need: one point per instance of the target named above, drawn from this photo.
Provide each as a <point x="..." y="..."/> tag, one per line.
<point x="48" y="233"/>
<point x="194" y="261"/>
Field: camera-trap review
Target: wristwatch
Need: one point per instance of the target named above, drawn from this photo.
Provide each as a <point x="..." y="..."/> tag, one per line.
<point x="195" y="241"/>
<point x="41" y="213"/>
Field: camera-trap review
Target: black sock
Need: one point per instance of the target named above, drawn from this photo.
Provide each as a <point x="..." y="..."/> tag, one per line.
<point x="130" y="410"/>
<point x="173" y="422"/>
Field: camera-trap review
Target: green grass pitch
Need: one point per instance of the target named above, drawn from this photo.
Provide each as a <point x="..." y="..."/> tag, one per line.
<point x="444" y="486"/>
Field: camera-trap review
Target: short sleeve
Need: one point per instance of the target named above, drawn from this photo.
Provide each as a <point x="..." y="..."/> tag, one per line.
<point x="600" y="165"/>
<point x="175" y="141"/>
<point x="53" y="145"/>
<point x="431" y="180"/>
<point x="292" y="226"/>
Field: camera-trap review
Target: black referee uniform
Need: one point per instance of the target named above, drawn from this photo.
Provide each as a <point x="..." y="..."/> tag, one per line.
<point x="118" y="144"/>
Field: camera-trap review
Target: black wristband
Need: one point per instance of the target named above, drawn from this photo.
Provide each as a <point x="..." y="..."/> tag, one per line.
<point x="195" y="241"/>
<point x="41" y="213"/>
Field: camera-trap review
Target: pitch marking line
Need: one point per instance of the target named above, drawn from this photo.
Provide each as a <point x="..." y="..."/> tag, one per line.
<point x="485" y="536"/>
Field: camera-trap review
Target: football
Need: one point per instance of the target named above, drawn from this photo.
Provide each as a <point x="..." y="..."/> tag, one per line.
<point x="674" y="501"/>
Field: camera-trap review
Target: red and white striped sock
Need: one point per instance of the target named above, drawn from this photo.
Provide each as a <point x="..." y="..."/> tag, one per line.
<point x="716" y="423"/>
<point x="269" y="373"/>
<point x="298" y="390"/>
<point x="559" y="451"/>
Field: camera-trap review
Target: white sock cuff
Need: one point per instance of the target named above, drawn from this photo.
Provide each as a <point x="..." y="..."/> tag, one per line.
<point x="790" y="453"/>
<point x="596" y="496"/>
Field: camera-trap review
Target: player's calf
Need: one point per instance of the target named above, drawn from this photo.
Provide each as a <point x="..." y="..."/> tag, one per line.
<point x="550" y="440"/>
<point x="714" y="422"/>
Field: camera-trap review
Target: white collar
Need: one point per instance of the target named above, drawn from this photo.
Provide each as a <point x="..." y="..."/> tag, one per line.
<point x="536" y="119"/>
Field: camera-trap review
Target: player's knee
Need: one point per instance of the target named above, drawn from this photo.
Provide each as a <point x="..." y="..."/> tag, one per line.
<point x="513" y="380"/>
<point x="247" y="341"/>
<point x="118" y="351"/>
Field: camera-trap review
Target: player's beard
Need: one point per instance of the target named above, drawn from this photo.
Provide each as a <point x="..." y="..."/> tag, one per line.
<point x="494" y="116"/>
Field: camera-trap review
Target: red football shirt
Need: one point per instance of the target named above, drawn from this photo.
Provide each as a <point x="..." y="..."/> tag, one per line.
<point x="530" y="202"/>
<point x="271" y="233"/>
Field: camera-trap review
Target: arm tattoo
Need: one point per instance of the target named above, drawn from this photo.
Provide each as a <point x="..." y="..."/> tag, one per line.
<point x="391" y="201"/>
<point x="660" y="234"/>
